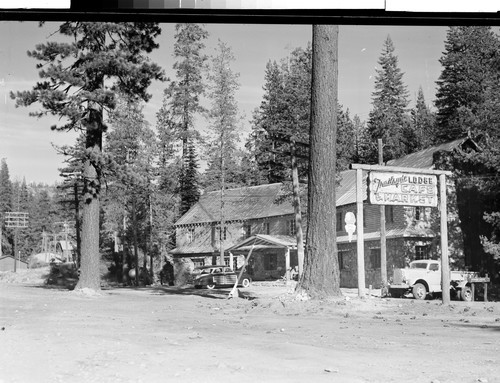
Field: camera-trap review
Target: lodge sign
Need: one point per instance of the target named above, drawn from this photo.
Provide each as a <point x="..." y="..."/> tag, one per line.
<point x="402" y="189"/>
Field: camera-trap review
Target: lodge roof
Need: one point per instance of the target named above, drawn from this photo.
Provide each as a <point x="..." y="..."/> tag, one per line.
<point x="257" y="202"/>
<point x="240" y="204"/>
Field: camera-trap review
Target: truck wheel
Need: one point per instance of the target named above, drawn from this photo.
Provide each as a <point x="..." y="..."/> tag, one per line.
<point x="245" y="282"/>
<point x="419" y="291"/>
<point x="466" y="294"/>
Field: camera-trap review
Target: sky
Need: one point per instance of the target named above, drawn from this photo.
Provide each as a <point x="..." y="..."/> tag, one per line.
<point x="27" y="143"/>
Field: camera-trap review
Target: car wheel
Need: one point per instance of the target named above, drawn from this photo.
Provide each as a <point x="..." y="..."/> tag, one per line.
<point x="466" y="294"/>
<point x="245" y="282"/>
<point x="211" y="286"/>
<point x="419" y="291"/>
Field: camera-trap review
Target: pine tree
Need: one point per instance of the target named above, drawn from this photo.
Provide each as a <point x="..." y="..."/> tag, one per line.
<point x="362" y="142"/>
<point x="467" y="81"/>
<point x="81" y="79"/>
<point x="346" y="139"/>
<point x="132" y="146"/>
<point x="222" y="152"/>
<point x="265" y="123"/>
<point x="468" y="100"/>
<point x="283" y="116"/>
<point x="5" y="190"/>
<point x="6" y="195"/>
<point x="388" y="119"/>
<point x="190" y="192"/>
<point x="423" y="121"/>
<point x="181" y="101"/>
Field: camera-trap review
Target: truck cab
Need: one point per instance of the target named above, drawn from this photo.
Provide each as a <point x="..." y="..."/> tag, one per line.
<point x="421" y="278"/>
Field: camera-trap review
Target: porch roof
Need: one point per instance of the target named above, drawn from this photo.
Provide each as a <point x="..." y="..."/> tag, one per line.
<point x="263" y="241"/>
<point x="392" y="233"/>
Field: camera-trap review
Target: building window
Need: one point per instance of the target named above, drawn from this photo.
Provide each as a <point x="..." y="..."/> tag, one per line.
<point x="365" y="218"/>
<point x="190" y="234"/>
<point x="247" y="231"/>
<point x="270" y="261"/>
<point x="389" y="214"/>
<point x="419" y="213"/>
<point x="266" y="228"/>
<point x="198" y="262"/>
<point x="375" y="258"/>
<point x="225" y="233"/>
<point x="339" y="221"/>
<point x="291" y="227"/>
<point x="343" y="260"/>
<point x="421" y="252"/>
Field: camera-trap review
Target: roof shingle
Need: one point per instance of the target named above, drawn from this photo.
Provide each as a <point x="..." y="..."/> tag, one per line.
<point x="245" y="203"/>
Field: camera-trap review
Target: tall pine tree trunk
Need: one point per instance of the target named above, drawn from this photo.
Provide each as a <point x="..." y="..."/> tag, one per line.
<point x="89" y="268"/>
<point x="321" y="271"/>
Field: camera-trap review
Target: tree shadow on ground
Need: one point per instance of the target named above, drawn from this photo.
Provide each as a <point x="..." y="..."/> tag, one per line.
<point x="479" y="326"/>
<point x="222" y="293"/>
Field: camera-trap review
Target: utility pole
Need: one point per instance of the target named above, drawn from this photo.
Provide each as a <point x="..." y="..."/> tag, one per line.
<point x="16" y="220"/>
<point x="151" y="237"/>
<point x="222" y="187"/>
<point x="383" y="240"/>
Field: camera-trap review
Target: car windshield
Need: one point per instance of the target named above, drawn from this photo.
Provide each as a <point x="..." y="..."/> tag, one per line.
<point x="418" y="265"/>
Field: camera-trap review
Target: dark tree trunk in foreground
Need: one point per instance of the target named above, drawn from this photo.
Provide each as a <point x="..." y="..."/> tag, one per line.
<point x="90" y="257"/>
<point x="321" y="271"/>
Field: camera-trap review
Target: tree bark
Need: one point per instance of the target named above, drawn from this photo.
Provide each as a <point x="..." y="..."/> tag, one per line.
<point x="90" y="258"/>
<point x="321" y="271"/>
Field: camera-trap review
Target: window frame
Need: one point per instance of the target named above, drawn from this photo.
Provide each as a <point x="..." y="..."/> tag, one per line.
<point x="190" y="234"/>
<point x="342" y="255"/>
<point x="422" y="252"/>
<point x="270" y="259"/>
<point x="340" y="215"/>
<point x="292" y="228"/>
<point x="375" y="261"/>
<point x="247" y="230"/>
<point x="389" y="213"/>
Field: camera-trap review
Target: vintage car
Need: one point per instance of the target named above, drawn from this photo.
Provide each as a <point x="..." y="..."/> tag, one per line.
<point x="218" y="276"/>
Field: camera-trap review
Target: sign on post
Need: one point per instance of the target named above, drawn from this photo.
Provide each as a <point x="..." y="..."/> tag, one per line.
<point x="16" y="220"/>
<point x="405" y="189"/>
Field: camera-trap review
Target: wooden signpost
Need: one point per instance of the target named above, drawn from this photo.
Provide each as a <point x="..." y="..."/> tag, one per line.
<point x="391" y="185"/>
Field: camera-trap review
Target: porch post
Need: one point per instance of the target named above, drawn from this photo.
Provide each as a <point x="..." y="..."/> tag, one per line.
<point x="445" y="264"/>
<point x="360" y="234"/>
<point x="231" y="260"/>
<point x="287" y="264"/>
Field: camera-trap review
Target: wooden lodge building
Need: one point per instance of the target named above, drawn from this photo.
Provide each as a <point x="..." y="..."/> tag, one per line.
<point x="254" y="216"/>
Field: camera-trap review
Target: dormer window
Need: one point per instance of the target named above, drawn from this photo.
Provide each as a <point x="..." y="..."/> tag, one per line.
<point x="247" y="231"/>
<point x="190" y="234"/>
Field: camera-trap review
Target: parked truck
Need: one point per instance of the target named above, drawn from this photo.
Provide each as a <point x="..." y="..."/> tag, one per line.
<point x="423" y="277"/>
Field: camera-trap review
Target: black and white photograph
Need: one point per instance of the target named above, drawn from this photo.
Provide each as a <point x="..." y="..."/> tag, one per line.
<point x="264" y="198"/>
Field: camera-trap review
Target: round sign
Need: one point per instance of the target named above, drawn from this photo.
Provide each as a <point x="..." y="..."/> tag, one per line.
<point x="350" y="218"/>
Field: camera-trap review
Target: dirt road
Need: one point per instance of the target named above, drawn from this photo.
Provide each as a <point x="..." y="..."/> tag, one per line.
<point x="186" y="335"/>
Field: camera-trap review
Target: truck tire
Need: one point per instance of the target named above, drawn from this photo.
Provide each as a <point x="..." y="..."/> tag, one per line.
<point x="419" y="291"/>
<point x="466" y="294"/>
